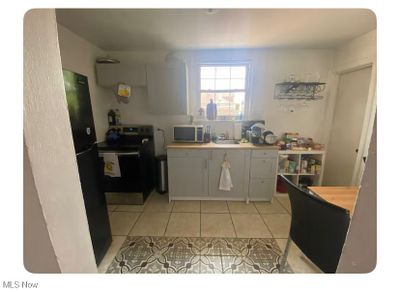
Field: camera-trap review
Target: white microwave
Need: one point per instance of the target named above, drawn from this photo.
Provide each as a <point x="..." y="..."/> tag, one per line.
<point x="189" y="133"/>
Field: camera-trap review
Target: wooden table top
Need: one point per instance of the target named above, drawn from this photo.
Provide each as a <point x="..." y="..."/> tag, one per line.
<point x="344" y="197"/>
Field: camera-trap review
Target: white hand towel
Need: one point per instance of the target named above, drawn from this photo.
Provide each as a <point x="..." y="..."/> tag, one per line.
<point x="111" y="165"/>
<point x="225" y="181"/>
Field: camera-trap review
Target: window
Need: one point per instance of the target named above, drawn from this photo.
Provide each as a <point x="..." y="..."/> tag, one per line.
<point x="226" y="86"/>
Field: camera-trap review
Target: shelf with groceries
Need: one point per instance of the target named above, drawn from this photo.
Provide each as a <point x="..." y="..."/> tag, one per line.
<point x="302" y="167"/>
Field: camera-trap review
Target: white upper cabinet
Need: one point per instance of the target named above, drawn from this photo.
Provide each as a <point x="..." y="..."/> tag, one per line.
<point x="167" y="88"/>
<point x="109" y="75"/>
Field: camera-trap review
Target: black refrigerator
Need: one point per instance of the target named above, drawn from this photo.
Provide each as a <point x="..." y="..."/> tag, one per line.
<point x="89" y="164"/>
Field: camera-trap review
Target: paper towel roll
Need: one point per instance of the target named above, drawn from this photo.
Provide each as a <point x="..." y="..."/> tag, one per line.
<point x="237" y="131"/>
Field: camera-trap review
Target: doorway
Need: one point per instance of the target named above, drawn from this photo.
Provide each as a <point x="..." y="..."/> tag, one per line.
<point x="347" y="127"/>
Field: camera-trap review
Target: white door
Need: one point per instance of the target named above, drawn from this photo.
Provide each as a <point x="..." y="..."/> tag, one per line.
<point x="347" y="126"/>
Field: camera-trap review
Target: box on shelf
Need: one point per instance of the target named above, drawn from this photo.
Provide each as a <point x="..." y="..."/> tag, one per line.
<point x="283" y="163"/>
<point x="310" y="165"/>
<point x="292" y="166"/>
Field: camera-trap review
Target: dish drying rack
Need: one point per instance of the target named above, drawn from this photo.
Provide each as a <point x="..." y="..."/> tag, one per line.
<point x="299" y="90"/>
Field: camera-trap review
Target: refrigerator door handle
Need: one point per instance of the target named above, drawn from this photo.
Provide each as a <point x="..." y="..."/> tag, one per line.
<point x="88" y="131"/>
<point x="86" y="150"/>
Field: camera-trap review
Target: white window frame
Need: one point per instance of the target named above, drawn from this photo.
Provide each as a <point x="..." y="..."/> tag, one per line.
<point x="246" y="86"/>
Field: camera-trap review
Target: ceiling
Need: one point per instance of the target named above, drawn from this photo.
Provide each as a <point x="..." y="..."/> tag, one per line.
<point x="158" y="29"/>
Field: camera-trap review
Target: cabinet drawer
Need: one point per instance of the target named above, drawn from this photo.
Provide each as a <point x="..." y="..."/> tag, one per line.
<point x="264" y="153"/>
<point x="188" y="153"/>
<point x="263" y="168"/>
<point x="261" y="189"/>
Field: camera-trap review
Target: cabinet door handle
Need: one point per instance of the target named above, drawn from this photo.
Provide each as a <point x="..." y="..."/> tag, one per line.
<point x="205" y="164"/>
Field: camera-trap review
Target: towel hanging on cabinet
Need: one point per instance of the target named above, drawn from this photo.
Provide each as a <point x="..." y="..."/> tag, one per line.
<point x="225" y="181"/>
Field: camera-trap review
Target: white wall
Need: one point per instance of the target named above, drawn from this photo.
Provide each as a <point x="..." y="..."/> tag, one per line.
<point x="356" y="52"/>
<point x="267" y="68"/>
<point x="79" y="55"/>
<point x="49" y="145"/>
<point x="39" y="255"/>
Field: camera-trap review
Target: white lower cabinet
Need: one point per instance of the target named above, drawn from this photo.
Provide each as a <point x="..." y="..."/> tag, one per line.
<point x="263" y="168"/>
<point x="188" y="173"/>
<point x="262" y="175"/>
<point x="261" y="189"/>
<point x="238" y="171"/>
<point x="195" y="174"/>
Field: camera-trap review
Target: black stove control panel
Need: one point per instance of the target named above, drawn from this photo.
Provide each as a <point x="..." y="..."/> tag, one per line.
<point x="133" y="130"/>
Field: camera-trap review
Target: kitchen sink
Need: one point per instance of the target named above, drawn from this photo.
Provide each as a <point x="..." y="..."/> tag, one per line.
<point x="226" y="142"/>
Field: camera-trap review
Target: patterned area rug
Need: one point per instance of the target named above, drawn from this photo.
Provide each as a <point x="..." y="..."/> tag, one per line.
<point x="197" y="255"/>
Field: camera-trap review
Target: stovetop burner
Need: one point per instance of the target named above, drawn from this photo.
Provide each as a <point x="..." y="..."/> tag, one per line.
<point x="130" y="137"/>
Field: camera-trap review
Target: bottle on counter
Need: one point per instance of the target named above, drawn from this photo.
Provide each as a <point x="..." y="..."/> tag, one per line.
<point x="117" y="117"/>
<point x="211" y="110"/>
<point x="111" y="117"/>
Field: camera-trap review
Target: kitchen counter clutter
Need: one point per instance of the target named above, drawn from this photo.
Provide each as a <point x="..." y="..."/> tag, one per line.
<point x="213" y="145"/>
<point x="194" y="171"/>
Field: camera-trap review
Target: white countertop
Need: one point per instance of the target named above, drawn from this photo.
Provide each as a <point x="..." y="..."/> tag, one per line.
<point x="212" y="145"/>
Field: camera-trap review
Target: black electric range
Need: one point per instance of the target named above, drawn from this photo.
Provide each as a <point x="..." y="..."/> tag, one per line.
<point x="134" y="150"/>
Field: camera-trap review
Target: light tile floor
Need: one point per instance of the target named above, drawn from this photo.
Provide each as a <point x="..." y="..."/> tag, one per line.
<point x="159" y="217"/>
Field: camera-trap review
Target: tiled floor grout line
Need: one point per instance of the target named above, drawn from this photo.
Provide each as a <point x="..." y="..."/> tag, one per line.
<point x="166" y="226"/>
<point x="200" y="223"/>
<point x="265" y="223"/>
<point x="215" y="212"/>
<point x="136" y="221"/>
<point x="127" y="211"/>
<point x="283" y="206"/>
<point x="233" y="224"/>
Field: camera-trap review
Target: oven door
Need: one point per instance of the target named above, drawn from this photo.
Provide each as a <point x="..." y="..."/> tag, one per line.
<point x="130" y="167"/>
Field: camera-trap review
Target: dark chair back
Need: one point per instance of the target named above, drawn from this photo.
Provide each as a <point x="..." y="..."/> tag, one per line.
<point x="318" y="227"/>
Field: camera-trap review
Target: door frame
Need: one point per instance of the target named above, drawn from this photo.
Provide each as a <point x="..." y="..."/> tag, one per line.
<point x="366" y="132"/>
<point x="369" y="116"/>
